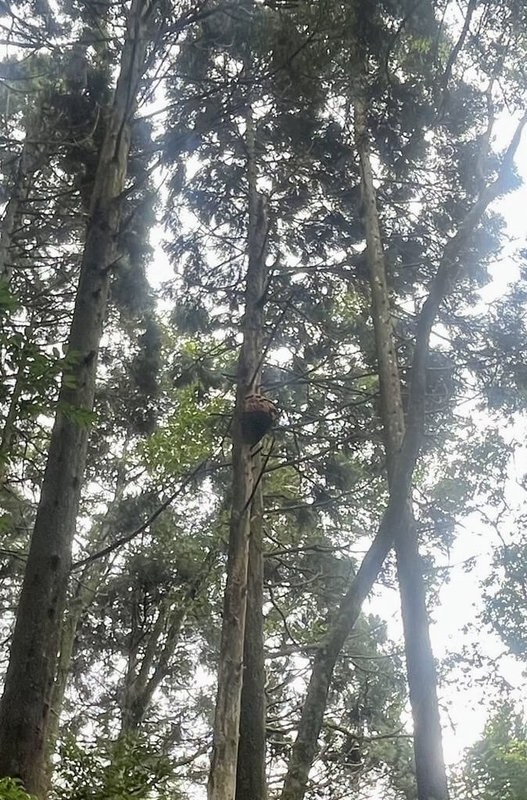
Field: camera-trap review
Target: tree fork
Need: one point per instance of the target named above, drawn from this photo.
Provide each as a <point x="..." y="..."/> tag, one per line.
<point x="421" y="672"/>
<point x="304" y="749"/>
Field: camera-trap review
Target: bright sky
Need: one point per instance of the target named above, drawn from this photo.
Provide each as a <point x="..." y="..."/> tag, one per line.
<point x="460" y="598"/>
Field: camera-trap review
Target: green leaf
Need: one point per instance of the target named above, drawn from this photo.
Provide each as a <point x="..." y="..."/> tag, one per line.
<point x="12" y="789"/>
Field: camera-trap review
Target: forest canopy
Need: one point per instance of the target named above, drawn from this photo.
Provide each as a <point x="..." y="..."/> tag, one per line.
<point x="263" y="289"/>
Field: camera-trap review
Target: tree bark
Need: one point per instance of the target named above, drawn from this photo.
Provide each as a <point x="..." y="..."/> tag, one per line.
<point x="87" y="587"/>
<point x="304" y="749"/>
<point x="222" y="776"/>
<point x="421" y="672"/>
<point x="24" y="708"/>
<point x="81" y="601"/>
<point x="250" y="775"/>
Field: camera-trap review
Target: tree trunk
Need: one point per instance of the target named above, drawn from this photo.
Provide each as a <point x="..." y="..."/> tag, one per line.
<point x="24" y="709"/>
<point x="86" y="591"/>
<point x="250" y="775"/>
<point x="304" y="749"/>
<point x="305" y="746"/>
<point x="130" y="712"/>
<point x="144" y="677"/>
<point x="222" y="777"/>
<point x="30" y="158"/>
<point x="8" y="431"/>
<point x="87" y="586"/>
<point x="422" y="679"/>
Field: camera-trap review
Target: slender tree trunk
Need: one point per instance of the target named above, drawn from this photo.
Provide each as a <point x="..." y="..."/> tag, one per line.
<point x="87" y="587"/>
<point x="222" y="777"/>
<point x="8" y="431"/>
<point x="30" y="158"/>
<point x="24" y="709"/>
<point x="250" y="775"/>
<point x="305" y="747"/>
<point x="143" y="677"/>
<point x="421" y="672"/>
<point x="129" y="704"/>
<point x="86" y="591"/>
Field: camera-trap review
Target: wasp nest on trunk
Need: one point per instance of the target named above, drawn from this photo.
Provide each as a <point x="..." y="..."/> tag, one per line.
<point x="258" y="417"/>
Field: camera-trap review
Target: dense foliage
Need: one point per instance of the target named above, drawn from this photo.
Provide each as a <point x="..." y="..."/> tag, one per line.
<point x="158" y="159"/>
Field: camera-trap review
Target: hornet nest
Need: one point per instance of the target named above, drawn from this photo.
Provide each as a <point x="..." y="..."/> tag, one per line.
<point x="258" y="417"/>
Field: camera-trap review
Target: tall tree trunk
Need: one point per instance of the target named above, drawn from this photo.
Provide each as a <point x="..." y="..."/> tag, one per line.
<point x="24" y="708"/>
<point x="421" y="672"/>
<point x="250" y="775"/>
<point x="305" y="747"/>
<point x="222" y="776"/>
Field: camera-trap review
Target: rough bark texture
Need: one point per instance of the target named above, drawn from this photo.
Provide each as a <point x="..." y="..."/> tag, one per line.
<point x="222" y="776"/>
<point x="25" y="705"/>
<point x="250" y="776"/>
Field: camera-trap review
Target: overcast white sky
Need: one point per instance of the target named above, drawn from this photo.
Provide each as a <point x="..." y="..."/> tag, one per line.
<point x="460" y="598"/>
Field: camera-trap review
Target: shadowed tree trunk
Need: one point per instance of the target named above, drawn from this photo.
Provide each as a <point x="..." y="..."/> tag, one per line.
<point x="144" y="674"/>
<point x="422" y="680"/>
<point x="80" y="602"/>
<point x="305" y="747"/>
<point x="24" y="709"/>
<point x="222" y="776"/>
<point x="31" y="156"/>
<point x="86" y="590"/>
<point x="8" y="435"/>
<point x="250" y="775"/>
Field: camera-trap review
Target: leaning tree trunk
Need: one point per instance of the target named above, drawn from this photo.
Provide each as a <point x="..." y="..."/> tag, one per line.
<point x="24" y="709"/>
<point x="222" y="776"/>
<point x="421" y="672"/>
<point x="144" y="674"/>
<point x="305" y="747"/>
<point x="250" y="774"/>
